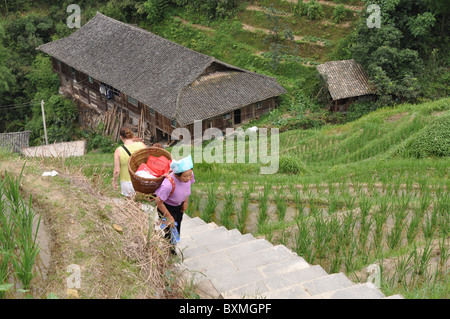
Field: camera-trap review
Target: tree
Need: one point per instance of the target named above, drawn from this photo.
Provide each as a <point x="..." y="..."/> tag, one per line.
<point x="395" y="54"/>
<point x="280" y="34"/>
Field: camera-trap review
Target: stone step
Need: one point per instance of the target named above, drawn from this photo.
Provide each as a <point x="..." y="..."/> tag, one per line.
<point x="261" y="286"/>
<point x="191" y="222"/>
<point x="206" y="248"/>
<point x="226" y="264"/>
<point x="328" y="283"/>
<point x="358" y="291"/>
<point x="295" y="277"/>
<point x="204" y="233"/>
<point x="264" y="257"/>
<point x="186" y="233"/>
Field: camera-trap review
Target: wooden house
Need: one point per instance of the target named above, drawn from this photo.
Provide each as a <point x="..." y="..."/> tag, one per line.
<point x="346" y="82"/>
<point x="160" y="85"/>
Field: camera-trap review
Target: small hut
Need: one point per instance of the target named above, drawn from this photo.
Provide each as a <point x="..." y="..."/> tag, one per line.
<point x="347" y="83"/>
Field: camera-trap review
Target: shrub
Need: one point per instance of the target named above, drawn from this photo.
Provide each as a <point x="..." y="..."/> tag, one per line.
<point x="312" y="9"/>
<point x="359" y="109"/>
<point x="433" y="140"/>
<point x="291" y="165"/>
<point x="96" y="141"/>
<point x="339" y="13"/>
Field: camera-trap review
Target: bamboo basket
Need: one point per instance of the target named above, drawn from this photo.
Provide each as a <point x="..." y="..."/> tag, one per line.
<point x="141" y="184"/>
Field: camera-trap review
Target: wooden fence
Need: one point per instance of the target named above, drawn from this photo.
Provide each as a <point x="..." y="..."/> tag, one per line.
<point x="15" y="141"/>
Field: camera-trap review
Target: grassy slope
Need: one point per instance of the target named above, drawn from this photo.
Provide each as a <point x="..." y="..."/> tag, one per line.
<point x="80" y="219"/>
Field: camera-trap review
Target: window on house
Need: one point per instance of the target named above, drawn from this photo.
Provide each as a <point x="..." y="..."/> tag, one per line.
<point x="227" y="116"/>
<point x="152" y="111"/>
<point x="173" y="122"/>
<point x="258" y="105"/>
<point x="91" y="80"/>
<point x="132" y="100"/>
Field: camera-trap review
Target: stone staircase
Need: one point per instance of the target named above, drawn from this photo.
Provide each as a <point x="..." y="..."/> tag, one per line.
<point x="226" y="264"/>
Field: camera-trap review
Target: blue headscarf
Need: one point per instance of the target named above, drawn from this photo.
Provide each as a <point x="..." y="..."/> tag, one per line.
<point x="182" y="165"/>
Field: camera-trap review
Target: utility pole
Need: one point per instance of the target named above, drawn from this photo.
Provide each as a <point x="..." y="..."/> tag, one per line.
<point x="43" y="119"/>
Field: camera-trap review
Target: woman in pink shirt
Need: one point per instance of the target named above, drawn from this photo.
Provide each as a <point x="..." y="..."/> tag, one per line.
<point x="172" y="206"/>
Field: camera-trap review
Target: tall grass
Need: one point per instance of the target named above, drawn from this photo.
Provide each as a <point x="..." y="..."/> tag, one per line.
<point x="18" y="238"/>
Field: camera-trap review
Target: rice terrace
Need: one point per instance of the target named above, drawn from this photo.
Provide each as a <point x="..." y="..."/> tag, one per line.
<point x="361" y="185"/>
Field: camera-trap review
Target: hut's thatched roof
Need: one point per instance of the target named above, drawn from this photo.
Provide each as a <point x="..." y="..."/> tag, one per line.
<point x="345" y="79"/>
<point x="158" y="72"/>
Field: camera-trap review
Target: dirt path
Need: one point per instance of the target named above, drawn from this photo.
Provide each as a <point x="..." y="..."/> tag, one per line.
<point x="197" y="26"/>
<point x="251" y="29"/>
<point x="332" y="4"/>
<point x="266" y="31"/>
<point x="323" y="21"/>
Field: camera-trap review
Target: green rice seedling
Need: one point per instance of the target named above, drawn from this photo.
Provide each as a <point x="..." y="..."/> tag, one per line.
<point x="227" y="211"/>
<point x="443" y="252"/>
<point x="28" y="246"/>
<point x="348" y="227"/>
<point x="7" y="243"/>
<point x="403" y="268"/>
<point x="211" y="205"/>
<point x="298" y="205"/>
<point x="403" y="202"/>
<point x="303" y="241"/>
<point x="443" y="204"/>
<point x="281" y="206"/>
<point x="262" y="211"/>
<point x="429" y="224"/>
<point x="349" y="202"/>
<point x="243" y="212"/>
<point x="422" y="261"/>
<point x="380" y="217"/>
<point x="364" y="237"/>
<point x="333" y="205"/>
<point x="413" y="227"/>
<point x="365" y="204"/>
<point x="313" y="207"/>
<point x="395" y="235"/>
<point x="23" y="218"/>
<point x="424" y="202"/>
<point x="348" y="254"/>
<point x="320" y="236"/>
<point x="193" y="203"/>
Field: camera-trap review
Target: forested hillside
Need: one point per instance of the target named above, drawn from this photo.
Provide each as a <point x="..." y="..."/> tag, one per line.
<point x="406" y="58"/>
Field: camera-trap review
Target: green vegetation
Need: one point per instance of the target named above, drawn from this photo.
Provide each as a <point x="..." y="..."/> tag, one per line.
<point x="346" y="197"/>
<point x="369" y="186"/>
<point x="407" y="57"/>
<point x="19" y="225"/>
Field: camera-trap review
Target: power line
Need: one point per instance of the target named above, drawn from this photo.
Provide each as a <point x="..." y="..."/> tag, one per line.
<point x="12" y="108"/>
<point x="17" y="107"/>
<point x="26" y="103"/>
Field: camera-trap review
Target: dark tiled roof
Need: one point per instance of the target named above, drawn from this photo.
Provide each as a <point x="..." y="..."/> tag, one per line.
<point x="345" y="79"/>
<point x="222" y="92"/>
<point x="156" y="71"/>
